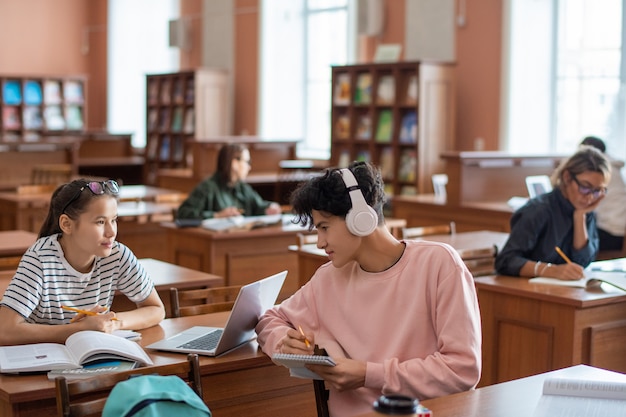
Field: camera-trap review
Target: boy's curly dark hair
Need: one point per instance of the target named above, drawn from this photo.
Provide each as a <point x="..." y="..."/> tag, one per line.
<point x="328" y="193"/>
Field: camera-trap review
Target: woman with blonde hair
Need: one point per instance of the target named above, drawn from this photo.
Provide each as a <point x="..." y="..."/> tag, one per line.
<point x="562" y="218"/>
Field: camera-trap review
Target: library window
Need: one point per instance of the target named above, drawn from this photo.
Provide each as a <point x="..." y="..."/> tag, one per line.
<point x="300" y="41"/>
<point x="566" y="78"/>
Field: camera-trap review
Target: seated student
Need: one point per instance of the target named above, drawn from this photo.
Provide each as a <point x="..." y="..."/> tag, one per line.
<point x="610" y="213"/>
<point x="563" y="217"/>
<point x="225" y="194"/>
<point x="398" y="317"/>
<point x="77" y="263"/>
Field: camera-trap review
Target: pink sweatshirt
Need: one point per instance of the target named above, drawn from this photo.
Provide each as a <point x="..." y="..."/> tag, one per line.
<point x="417" y="325"/>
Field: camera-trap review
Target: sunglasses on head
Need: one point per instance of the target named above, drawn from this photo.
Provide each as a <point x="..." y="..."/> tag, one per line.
<point x="586" y="190"/>
<point x="96" y="188"/>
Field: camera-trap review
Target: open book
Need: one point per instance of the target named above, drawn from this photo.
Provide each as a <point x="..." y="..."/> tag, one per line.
<point x="296" y="363"/>
<point x="79" y="349"/>
<point x="575" y="397"/>
<point x="240" y="222"/>
<point x="595" y="278"/>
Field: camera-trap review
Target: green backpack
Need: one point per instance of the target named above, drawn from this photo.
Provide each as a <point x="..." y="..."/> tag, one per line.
<point x="154" y="396"/>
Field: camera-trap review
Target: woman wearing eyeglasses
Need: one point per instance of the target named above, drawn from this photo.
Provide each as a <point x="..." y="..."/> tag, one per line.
<point x="77" y="264"/>
<point x="225" y="193"/>
<point x="562" y="218"/>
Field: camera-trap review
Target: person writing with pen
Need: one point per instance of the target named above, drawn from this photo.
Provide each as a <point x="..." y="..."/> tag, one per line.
<point x="225" y="194"/>
<point x="65" y="282"/>
<point x="397" y="317"/>
<point x="555" y="234"/>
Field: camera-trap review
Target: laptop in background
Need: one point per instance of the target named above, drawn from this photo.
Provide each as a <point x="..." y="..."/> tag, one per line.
<point x="252" y="301"/>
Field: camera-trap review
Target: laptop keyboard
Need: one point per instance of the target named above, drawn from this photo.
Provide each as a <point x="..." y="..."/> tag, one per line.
<point x="206" y="342"/>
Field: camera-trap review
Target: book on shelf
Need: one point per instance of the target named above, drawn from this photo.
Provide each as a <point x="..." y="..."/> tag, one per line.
<point x="189" y="123"/>
<point x="177" y="119"/>
<point x="364" y="127"/>
<point x="344" y="159"/>
<point x="408" y="190"/>
<point x="93" y="369"/>
<point x="386" y="92"/>
<point x="179" y="149"/>
<point x="607" y="281"/>
<point x="384" y="127"/>
<point x="341" y="94"/>
<point x="153" y="90"/>
<point x="190" y="94"/>
<point x="412" y="91"/>
<point x="152" y="146"/>
<point x="54" y="118"/>
<point x="297" y="363"/>
<point x="342" y="126"/>
<point x="80" y="349"/>
<point x="166" y="91"/>
<point x="11" y="117"/>
<point x="387" y="166"/>
<point x="74" y="117"/>
<point x="32" y="117"/>
<point x="52" y="92"/>
<point x="12" y="93"/>
<point x="363" y="91"/>
<point x="164" y="152"/>
<point x="408" y="128"/>
<point x="164" y="119"/>
<point x="153" y="118"/>
<point x="32" y="93"/>
<point x="363" y="156"/>
<point x="73" y="92"/>
<point x="179" y="93"/>
<point x="407" y="165"/>
<point x="581" y="397"/>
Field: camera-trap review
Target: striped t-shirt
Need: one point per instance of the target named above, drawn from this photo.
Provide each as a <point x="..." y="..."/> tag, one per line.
<point x="45" y="281"/>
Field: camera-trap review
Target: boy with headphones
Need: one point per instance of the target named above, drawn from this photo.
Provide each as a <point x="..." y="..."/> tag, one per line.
<point x="398" y="317"/>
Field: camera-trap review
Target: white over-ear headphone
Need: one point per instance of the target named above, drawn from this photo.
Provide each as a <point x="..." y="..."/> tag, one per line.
<point x="361" y="220"/>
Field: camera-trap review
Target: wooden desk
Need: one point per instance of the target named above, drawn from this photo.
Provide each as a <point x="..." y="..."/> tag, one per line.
<point x="533" y="328"/>
<point x="243" y="382"/>
<point x="310" y="257"/>
<point x="426" y="210"/>
<point x="518" y="398"/>
<point x="28" y="211"/>
<point x="240" y="257"/>
<point x="166" y="276"/>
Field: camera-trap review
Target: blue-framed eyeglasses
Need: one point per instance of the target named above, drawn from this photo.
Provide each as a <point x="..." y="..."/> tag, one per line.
<point x="97" y="188"/>
<point x="586" y="190"/>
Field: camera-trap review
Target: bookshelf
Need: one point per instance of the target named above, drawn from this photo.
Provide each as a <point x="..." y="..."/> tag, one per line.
<point x="183" y="106"/>
<point x="34" y="107"/>
<point x="400" y="116"/>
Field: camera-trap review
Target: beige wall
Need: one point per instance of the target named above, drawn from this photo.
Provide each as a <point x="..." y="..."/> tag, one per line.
<point x="45" y="37"/>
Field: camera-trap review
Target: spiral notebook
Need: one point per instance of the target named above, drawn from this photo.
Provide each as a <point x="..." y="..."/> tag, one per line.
<point x="296" y="364"/>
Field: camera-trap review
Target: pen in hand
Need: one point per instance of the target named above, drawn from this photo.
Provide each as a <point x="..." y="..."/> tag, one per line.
<point x="306" y="341"/>
<point x="563" y="255"/>
<point x="85" y="312"/>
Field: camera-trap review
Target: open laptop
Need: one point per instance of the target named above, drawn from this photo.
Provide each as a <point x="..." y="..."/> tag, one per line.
<point x="253" y="300"/>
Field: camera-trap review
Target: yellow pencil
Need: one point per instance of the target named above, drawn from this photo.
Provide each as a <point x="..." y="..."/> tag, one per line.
<point x="306" y="341"/>
<point x="85" y="312"/>
<point x="563" y="255"/>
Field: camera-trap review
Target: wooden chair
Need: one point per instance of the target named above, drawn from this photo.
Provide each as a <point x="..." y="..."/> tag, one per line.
<point x="202" y="301"/>
<point x="321" y="398"/>
<point x="87" y="397"/>
<point x="416" y="232"/>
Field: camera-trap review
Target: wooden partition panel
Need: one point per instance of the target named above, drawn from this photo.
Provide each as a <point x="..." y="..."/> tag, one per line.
<point x="492" y="176"/>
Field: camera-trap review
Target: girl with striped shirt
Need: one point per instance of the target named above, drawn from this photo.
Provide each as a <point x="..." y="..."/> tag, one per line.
<point x="77" y="263"/>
